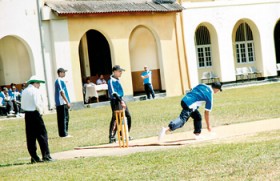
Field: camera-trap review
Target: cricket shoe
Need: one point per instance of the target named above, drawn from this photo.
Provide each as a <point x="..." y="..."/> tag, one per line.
<point x="198" y="137"/>
<point x="162" y="134"/>
<point x="112" y="140"/>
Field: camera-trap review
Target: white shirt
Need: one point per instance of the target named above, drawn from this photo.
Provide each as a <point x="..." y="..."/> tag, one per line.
<point x="31" y="99"/>
<point x="99" y="81"/>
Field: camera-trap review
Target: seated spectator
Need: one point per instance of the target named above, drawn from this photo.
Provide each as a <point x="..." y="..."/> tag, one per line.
<point x="3" y="111"/>
<point x="15" y="94"/>
<point x="10" y="89"/>
<point x="8" y="102"/>
<point x="88" y="83"/>
<point x="16" y="98"/>
<point x="101" y="80"/>
<point x="23" y="86"/>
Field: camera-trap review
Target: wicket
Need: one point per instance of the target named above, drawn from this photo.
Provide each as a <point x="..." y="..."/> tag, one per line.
<point x="122" y="129"/>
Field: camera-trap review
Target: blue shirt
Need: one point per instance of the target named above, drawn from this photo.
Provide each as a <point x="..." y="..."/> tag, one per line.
<point x="3" y="96"/>
<point x="199" y="94"/>
<point x="60" y="86"/>
<point x="115" y="87"/>
<point x="147" y="79"/>
<point x="14" y="95"/>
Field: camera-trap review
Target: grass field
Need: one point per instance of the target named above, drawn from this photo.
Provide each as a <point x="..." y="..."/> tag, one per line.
<point x="257" y="158"/>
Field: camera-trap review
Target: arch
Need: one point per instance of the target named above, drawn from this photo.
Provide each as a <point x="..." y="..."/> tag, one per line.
<point x="95" y="55"/>
<point x="277" y="45"/>
<point x="246" y="44"/>
<point x="143" y="50"/>
<point x="207" y="49"/>
<point x="15" y="52"/>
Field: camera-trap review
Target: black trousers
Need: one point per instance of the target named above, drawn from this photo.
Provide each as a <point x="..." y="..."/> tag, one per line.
<point x="36" y="130"/>
<point x="149" y="90"/>
<point x="115" y="105"/>
<point x="62" y="113"/>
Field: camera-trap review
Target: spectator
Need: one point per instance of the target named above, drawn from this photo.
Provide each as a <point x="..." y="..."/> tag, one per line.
<point x="8" y="102"/>
<point x="147" y="81"/>
<point x="88" y="83"/>
<point x="23" y="86"/>
<point x="62" y="102"/>
<point x="101" y="80"/>
<point x="15" y="98"/>
<point x="10" y="89"/>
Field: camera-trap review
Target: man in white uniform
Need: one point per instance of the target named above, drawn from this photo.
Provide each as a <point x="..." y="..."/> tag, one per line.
<point x="32" y="104"/>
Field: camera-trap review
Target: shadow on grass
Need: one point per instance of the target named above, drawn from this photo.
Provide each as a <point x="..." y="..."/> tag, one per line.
<point x="166" y="143"/>
<point x="13" y="164"/>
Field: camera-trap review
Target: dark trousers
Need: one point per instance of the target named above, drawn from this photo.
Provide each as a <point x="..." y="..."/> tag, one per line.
<point x="12" y="106"/>
<point x="149" y="90"/>
<point x="16" y="106"/>
<point x="9" y="106"/>
<point x="62" y="113"/>
<point x="186" y="113"/>
<point x="115" y="105"/>
<point x="36" y="130"/>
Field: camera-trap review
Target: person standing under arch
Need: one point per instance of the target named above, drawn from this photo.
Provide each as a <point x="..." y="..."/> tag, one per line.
<point x="147" y="81"/>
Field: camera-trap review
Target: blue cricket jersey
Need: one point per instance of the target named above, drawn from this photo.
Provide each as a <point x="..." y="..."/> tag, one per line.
<point x="115" y="87"/>
<point x="149" y="78"/>
<point x="3" y="97"/>
<point x="199" y="94"/>
<point x="60" y="86"/>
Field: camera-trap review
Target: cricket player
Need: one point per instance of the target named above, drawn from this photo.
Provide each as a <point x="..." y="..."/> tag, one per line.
<point x="190" y="104"/>
<point x="116" y="99"/>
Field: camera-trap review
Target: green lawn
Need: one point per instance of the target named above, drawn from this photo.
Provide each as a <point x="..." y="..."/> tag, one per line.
<point x="256" y="159"/>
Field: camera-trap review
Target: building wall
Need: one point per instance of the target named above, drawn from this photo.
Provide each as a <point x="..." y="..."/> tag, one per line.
<point x="223" y="17"/>
<point x="117" y="30"/>
<point x="20" y="45"/>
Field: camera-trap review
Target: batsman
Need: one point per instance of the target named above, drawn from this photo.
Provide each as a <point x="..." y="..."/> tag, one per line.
<point x="190" y="103"/>
<point x="117" y="103"/>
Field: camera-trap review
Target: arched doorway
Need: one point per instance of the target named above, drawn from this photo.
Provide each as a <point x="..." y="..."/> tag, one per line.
<point x="143" y="51"/>
<point x="277" y="43"/>
<point x="95" y="56"/>
<point x="15" y="61"/>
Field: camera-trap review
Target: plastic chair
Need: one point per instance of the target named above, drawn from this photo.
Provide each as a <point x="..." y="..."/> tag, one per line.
<point x="254" y="71"/>
<point x="214" y="77"/>
<point x="205" y="76"/>
<point x="245" y="71"/>
<point x="239" y="73"/>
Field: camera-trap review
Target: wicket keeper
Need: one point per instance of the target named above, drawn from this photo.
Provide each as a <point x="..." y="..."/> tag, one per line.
<point x="117" y="103"/>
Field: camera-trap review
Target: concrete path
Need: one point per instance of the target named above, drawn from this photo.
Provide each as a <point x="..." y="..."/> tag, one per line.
<point x="173" y="140"/>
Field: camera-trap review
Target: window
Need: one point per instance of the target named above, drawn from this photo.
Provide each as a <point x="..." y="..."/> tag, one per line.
<point x="244" y="44"/>
<point x="203" y="47"/>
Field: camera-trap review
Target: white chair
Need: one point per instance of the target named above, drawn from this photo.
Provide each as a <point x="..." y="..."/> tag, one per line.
<point x="239" y="74"/>
<point x="214" y="77"/>
<point x="90" y="91"/>
<point x="255" y="72"/>
<point x="246" y="72"/>
<point x="205" y="76"/>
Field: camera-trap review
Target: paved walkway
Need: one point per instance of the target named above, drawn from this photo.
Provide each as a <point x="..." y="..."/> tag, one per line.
<point x="173" y="140"/>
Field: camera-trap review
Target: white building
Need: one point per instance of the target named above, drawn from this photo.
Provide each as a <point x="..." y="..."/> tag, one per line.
<point x="217" y="36"/>
<point x="222" y="35"/>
